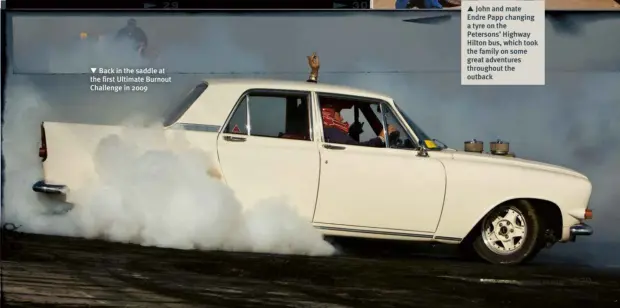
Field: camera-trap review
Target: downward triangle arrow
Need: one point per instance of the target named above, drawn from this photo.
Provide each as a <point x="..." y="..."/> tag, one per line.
<point x="93" y="69"/>
<point x="470" y="9"/>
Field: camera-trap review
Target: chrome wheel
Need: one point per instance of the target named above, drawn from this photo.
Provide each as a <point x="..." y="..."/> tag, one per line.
<point x="504" y="230"/>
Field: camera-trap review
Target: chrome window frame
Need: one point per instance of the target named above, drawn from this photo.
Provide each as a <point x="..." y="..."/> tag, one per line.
<point x="383" y="115"/>
<point x="403" y="124"/>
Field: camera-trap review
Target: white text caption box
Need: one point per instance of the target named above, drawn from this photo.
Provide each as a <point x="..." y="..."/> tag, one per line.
<point x="503" y="42"/>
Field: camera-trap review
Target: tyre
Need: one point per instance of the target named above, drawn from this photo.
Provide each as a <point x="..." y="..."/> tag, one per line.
<point x="510" y="234"/>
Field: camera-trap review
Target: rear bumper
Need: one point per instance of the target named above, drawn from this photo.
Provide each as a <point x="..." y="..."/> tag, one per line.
<point x="45" y="188"/>
<point x="580" y="230"/>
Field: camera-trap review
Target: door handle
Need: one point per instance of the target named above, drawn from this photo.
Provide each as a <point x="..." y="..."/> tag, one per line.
<point x="333" y="147"/>
<point x="234" y="139"/>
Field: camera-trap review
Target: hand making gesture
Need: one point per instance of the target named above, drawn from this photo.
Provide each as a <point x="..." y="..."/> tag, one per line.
<point x="315" y="64"/>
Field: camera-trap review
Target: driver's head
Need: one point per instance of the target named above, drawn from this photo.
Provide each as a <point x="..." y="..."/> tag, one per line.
<point x="338" y="116"/>
<point x="332" y="111"/>
<point x="132" y="22"/>
<point x="335" y="106"/>
<point x="332" y="117"/>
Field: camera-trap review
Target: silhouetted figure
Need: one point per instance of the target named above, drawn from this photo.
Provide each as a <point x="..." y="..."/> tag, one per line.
<point x="134" y="33"/>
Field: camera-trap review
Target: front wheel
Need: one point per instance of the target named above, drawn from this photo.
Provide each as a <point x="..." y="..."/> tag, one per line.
<point x="509" y="234"/>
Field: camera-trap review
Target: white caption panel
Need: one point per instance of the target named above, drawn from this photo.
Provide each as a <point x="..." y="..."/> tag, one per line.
<point x="503" y="42"/>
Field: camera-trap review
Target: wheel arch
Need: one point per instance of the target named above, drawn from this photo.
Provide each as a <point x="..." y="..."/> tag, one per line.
<point x="548" y="210"/>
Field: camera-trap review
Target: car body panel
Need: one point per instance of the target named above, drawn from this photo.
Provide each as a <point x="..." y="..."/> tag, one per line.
<point x="478" y="183"/>
<point x="380" y="188"/>
<point x="263" y="168"/>
<point x="71" y="147"/>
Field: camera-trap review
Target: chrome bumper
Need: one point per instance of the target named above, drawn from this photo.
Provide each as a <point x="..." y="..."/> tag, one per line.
<point x="580" y="229"/>
<point x="42" y="187"/>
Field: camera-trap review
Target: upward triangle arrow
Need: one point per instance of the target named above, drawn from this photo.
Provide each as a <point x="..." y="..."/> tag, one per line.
<point x="470" y="9"/>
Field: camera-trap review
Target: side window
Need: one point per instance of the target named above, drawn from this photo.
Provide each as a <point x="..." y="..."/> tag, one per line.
<point x="352" y="121"/>
<point x="399" y="139"/>
<point x="267" y="115"/>
<point x="349" y="120"/>
<point x="274" y="115"/>
<point x="238" y="123"/>
<point x="280" y="115"/>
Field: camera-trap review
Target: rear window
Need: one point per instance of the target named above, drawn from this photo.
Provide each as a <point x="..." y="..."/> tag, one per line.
<point x="178" y="109"/>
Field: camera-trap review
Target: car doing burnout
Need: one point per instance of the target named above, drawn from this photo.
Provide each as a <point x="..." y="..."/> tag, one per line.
<point x="268" y="136"/>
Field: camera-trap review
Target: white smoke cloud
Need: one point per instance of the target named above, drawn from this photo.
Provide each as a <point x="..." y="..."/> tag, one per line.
<point x="103" y="51"/>
<point x="151" y="187"/>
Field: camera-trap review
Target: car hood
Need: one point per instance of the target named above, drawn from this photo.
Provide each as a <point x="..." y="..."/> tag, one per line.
<point x="517" y="162"/>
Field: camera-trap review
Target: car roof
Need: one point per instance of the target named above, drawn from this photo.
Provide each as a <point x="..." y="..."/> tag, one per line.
<point x="250" y="83"/>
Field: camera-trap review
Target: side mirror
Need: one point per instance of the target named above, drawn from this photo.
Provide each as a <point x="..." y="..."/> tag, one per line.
<point x="422" y="152"/>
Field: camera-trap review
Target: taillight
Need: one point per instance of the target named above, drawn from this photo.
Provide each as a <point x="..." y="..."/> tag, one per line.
<point x="588" y="214"/>
<point x="43" y="147"/>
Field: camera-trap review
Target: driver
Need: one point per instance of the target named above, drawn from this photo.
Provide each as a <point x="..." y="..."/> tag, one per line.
<point x="133" y="32"/>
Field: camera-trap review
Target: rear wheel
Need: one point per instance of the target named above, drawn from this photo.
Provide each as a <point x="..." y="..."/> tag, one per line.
<point x="509" y="234"/>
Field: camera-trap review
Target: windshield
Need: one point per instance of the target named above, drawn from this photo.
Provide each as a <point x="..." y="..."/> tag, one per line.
<point x="422" y="136"/>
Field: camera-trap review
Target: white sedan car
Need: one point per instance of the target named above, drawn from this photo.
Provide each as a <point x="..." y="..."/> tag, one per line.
<point x="405" y="187"/>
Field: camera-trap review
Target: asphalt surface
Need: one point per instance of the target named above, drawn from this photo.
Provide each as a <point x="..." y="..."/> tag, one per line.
<point x="49" y="271"/>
